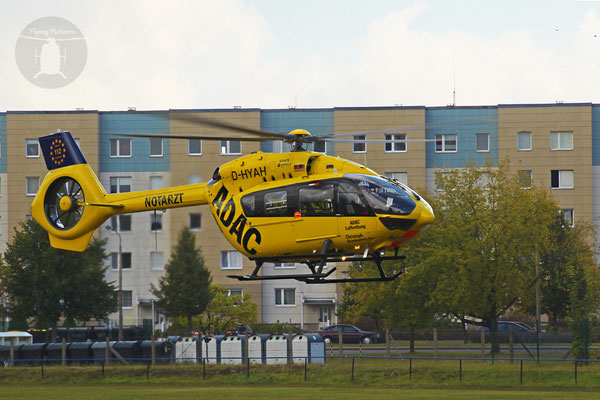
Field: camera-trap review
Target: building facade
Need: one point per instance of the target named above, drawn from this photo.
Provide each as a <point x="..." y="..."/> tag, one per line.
<point x="555" y="145"/>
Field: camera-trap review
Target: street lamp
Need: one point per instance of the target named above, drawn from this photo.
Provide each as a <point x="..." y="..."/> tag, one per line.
<point x="114" y="230"/>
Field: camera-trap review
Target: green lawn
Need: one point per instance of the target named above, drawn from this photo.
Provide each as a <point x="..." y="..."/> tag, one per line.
<point x="173" y="391"/>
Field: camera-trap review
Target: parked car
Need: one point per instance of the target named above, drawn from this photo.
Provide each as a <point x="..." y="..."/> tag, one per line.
<point x="241" y="330"/>
<point x="515" y="326"/>
<point x="350" y="334"/>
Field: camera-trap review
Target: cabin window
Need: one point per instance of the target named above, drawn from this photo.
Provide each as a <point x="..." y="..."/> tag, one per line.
<point x="276" y="203"/>
<point x="316" y="200"/>
<point x="350" y="202"/>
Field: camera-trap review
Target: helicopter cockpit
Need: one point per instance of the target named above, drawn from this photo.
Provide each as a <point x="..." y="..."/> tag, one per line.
<point x="383" y="196"/>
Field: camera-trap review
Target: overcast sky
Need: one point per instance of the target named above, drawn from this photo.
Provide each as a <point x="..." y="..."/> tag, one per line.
<point x="275" y="54"/>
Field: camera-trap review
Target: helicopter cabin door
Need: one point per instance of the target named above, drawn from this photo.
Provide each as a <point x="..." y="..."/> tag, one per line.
<point x="316" y="203"/>
<point x="356" y="219"/>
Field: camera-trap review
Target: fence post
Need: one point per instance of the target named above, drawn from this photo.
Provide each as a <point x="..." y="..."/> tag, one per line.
<point x="575" y="371"/>
<point x="248" y="366"/>
<point x="352" y="369"/>
<point x="203" y="368"/>
<point x="289" y="344"/>
<point x="42" y="364"/>
<point x="341" y="344"/>
<point x="521" y="372"/>
<point x="106" y="351"/>
<point x="64" y="352"/>
<point x="153" y="349"/>
<point x="460" y="370"/>
<point x="147" y="370"/>
<point x="12" y="353"/>
<point x="387" y="344"/>
<point x="305" y="366"/>
<point x="435" y="342"/>
<point x="410" y="369"/>
<point x="511" y="336"/>
<point x="482" y="343"/>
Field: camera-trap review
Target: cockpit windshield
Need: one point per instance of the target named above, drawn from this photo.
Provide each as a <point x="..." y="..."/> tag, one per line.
<point x="383" y="196"/>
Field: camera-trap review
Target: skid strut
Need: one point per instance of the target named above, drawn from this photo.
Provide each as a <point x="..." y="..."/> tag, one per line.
<point x="316" y="263"/>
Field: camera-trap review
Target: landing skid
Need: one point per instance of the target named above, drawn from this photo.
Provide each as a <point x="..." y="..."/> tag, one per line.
<point x="316" y="263"/>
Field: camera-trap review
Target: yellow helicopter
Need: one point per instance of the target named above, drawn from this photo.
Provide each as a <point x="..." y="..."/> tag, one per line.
<point x="297" y="206"/>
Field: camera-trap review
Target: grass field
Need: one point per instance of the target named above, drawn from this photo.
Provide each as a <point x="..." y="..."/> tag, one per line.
<point x="373" y="379"/>
<point x="351" y="392"/>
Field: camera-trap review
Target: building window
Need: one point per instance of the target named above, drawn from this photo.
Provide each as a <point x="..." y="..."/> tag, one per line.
<point x="156" y="147"/>
<point x="231" y="147"/>
<point x="32" y="148"/>
<point x="284" y="265"/>
<point x="156" y="222"/>
<point x="120" y="147"/>
<point x="156" y="182"/>
<point x="235" y="292"/>
<point x="195" y="221"/>
<point x="120" y="223"/>
<point x="568" y="216"/>
<point x="195" y="147"/>
<point x="127" y="298"/>
<point x="561" y="140"/>
<point x="359" y="145"/>
<point x="398" y="176"/>
<point x="445" y="143"/>
<point x="285" y="297"/>
<point x="482" y="142"/>
<point x="395" y="143"/>
<point x="524" y="141"/>
<point x="120" y="184"/>
<point x="524" y="176"/>
<point x="231" y="260"/>
<point x="32" y="184"/>
<point x="114" y="260"/>
<point x="561" y="179"/>
<point x="156" y="260"/>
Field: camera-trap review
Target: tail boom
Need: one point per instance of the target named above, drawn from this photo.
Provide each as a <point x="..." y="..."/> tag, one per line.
<point x="71" y="203"/>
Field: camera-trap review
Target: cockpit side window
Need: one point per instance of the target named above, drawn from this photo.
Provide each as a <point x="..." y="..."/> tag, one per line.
<point x="249" y="205"/>
<point x="317" y="200"/>
<point x="350" y="201"/>
<point x="384" y="196"/>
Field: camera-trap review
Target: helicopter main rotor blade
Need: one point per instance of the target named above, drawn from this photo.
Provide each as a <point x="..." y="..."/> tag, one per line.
<point x="379" y="140"/>
<point x="419" y="127"/>
<point x="163" y="136"/>
<point x="194" y="119"/>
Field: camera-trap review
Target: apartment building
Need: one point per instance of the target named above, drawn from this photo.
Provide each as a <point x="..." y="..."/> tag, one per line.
<point x="555" y="145"/>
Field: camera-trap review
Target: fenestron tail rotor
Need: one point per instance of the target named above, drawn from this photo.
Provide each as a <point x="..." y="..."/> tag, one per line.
<point x="64" y="203"/>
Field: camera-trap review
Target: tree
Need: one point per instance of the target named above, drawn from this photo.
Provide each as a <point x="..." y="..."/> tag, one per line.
<point x="584" y="295"/>
<point x="567" y="252"/>
<point x="402" y="302"/>
<point x="226" y="312"/>
<point x="42" y="283"/>
<point x="183" y="291"/>
<point x="481" y="252"/>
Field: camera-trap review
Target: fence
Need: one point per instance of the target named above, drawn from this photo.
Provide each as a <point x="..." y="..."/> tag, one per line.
<point x="247" y="365"/>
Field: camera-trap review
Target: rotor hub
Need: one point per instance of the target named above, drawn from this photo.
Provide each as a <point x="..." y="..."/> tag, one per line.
<point x="66" y="203"/>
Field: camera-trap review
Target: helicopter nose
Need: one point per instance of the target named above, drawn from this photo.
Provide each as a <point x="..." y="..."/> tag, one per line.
<point x="427" y="216"/>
